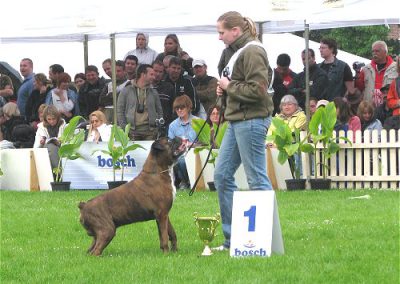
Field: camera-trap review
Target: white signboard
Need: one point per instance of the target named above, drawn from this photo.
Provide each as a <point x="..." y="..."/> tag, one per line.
<point x="93" y="170"/>
<point x="256" y="229"/>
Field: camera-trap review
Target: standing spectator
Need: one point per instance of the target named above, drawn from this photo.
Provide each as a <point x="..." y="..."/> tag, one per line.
<point x="380" y="72"/>
<point x="89" y="93"/>
<point x="38" y="96"/>
<point x="340" y="77"/>
<point x="173" y="47"/>
<point x="24" y="91"/>
<point x="63" y="98"/>
<point x="182" y="84"/>
<point x="182" y="127"/>
<point x="283" y="76"/>
<point x="143" y="52"/>
<point x="248" y="112"/>
<point x="54" y="71"/>
<point x="366" y="114"/>
<point x="204" y="84"/>
<point x="393" y="102"/>
<point x="106" y="97"/>
<point x="318" y="81"/>
<point x="139" y="105"/>
<point x="99" y="130"/>
<point x="131" y="63"/>
<point x="79" y="80"/>
<point x="165" y="91"/>
<point x="107" y="68"/>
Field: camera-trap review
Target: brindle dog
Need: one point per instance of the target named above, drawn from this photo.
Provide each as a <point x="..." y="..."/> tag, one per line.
<point x="147" y="197"/>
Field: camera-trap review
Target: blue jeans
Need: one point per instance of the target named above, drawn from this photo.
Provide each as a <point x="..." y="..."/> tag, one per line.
<point x="244" y="142"/>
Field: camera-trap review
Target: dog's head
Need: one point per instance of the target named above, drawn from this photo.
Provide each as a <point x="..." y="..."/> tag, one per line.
<point x="168" y="150"/>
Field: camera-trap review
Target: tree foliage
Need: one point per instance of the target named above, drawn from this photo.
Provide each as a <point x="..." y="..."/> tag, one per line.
<point x="356" y="40"/>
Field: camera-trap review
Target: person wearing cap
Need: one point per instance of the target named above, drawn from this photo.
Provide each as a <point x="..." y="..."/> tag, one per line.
<point x="204" y="84"/>
<point x="379" y="72"/>
<point x="322" y="103"/>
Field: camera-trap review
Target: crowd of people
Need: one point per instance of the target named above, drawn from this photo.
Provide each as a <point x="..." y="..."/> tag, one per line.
<point x="149" y="85"/>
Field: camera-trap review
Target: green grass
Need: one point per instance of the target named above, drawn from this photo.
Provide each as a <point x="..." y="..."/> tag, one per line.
<point x="328" y="238"/>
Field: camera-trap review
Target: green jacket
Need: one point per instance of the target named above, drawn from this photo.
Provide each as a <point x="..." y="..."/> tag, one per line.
<point x="247" y="95"/>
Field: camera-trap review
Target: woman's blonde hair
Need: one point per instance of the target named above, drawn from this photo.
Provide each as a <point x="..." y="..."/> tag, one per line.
<point x="51" y="110"/>
<point x="11" y="109"/>
<point x="100" y="115"/>
<point x="233" y="19"/>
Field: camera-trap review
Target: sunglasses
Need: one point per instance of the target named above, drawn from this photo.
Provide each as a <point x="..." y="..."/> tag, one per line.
<point x="180" y="107"/>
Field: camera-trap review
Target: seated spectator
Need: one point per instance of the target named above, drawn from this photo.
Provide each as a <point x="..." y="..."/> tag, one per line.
<point x="291" y="113"/>
<point x="15" y="128"/>
<point x="63" y="98"/>
<point x="49" y="132"/>
<point x="4" y="144"/>
<point x="6" y="89"/>
<point x="313" y="105"/>
<point x="214" y="114"/>
<point x="38" y="97"/>
<point x="98" y="130"/>
<point x="366" y="114"/>
<point x="79" y="80"/>
<point x="182" y="127"/>
<point x="345" y="119"/>
<point x="383" y="111"/>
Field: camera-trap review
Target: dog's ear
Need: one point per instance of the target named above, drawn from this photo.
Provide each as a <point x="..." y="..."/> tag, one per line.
<point x="157" y="146"/>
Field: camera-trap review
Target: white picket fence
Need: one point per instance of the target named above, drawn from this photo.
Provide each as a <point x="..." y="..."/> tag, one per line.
<point x="370" y="162"/>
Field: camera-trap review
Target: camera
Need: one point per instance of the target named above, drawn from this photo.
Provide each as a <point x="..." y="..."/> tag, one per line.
<point x="140" y="108"/>
<point x="358" y="65"/>
<point x="160" y="122"/>
<point x="162" y="131"/>
<point x="226" y="72"/>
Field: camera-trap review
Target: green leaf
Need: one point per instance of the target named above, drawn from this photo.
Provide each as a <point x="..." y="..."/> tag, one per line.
<point x="282" y="157"/>
<point x="205" y="134"/>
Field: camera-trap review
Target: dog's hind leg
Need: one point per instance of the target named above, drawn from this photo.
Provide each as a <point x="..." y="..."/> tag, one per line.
<point x="92" y="245"/>
<point x="172" y="236"/>
<point x="103" y="238"/>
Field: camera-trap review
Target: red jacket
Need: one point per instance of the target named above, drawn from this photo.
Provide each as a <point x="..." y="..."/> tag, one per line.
<point x="393" y="100"/>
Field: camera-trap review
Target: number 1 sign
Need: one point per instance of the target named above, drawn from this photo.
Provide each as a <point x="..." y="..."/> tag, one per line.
<point x="256" y="230"/>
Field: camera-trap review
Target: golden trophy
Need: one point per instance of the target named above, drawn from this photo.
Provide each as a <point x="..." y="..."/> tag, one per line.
<point x="206" y="227"/>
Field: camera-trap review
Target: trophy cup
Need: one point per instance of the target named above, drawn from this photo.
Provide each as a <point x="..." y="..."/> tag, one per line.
<point x="206" y="227"/>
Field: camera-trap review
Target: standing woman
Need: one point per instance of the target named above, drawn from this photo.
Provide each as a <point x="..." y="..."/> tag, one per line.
<point x="248" y="112"/>
<point x="63" y="98"/>
<point x="173" y="47"/>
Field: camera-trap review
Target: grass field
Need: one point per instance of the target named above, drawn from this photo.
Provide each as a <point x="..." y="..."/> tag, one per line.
<point x="328" y="238"/>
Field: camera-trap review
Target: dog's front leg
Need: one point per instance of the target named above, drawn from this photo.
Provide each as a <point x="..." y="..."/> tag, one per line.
<point x="172" y="236"/>
<point x="162" y="222"/>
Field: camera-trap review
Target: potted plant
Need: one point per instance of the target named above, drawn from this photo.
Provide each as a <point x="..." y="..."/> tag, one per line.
<point x="206" y="141"/>
<point x="118" y="152"/>
<point x="289" y="144"/>
<point x="70" y="142"/>
<point x="321" y="128"/>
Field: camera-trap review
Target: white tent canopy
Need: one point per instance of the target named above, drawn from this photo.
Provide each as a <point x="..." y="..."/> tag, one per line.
<point x="47" y="21"/>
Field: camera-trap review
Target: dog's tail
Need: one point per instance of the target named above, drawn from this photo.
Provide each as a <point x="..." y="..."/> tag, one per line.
<point x="81" y="205"/>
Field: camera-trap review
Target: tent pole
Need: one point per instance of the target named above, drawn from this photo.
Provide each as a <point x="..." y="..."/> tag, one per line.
<point x="86" y="51"/>
<point x="260" y="30"/>
<point x="113" y="77"/>
<point x="307" y="69"/>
